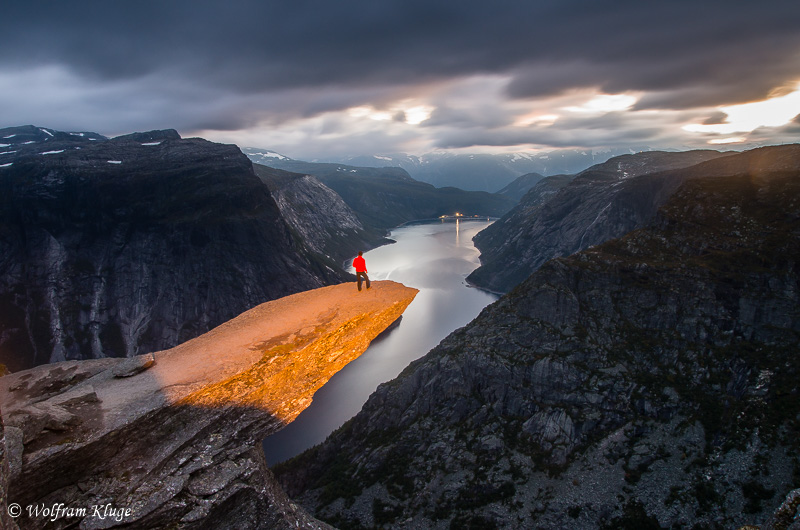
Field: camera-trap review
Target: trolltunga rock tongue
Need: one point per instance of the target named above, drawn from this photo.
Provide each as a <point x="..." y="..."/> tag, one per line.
<point x="173" y="437"/>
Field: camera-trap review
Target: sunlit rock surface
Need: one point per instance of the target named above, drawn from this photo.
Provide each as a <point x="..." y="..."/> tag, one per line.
<point x="174" y="436"/>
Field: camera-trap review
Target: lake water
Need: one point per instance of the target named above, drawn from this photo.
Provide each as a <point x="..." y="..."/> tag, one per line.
<point x="432" y="257"/>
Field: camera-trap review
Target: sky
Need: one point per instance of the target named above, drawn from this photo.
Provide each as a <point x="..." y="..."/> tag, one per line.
<point x="316" y="79"/>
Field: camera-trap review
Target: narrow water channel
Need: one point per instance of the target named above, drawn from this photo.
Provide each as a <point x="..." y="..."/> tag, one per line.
<point x="432" y="257"/>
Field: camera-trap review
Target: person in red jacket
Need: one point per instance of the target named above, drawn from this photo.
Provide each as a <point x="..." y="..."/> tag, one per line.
<point x="361" y="270"/>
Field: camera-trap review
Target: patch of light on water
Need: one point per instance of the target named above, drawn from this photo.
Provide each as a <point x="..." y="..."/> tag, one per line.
<point x="434" y="258"/>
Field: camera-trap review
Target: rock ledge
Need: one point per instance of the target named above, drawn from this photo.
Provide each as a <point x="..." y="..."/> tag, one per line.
<point x="173" y="437"/>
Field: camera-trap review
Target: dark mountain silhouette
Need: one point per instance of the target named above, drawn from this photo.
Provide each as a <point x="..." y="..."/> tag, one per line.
<point x="521" y="185"/>
<point x="650" y="381"/>
<point x="117" y="247"/>
<point x="388" y="197"/>
<point x="322" y="220"/>
<point x="605" y="201"/>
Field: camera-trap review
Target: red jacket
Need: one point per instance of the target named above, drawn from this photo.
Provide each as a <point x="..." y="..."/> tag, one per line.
<point x="359" y="264"/>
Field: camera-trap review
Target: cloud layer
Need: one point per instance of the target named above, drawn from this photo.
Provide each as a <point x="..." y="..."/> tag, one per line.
<point x="425" y="74"/>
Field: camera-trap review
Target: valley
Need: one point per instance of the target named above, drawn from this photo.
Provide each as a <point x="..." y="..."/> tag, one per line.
<point x="636" y="367"/>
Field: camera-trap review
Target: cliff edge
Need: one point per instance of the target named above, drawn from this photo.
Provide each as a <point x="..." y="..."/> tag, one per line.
<point x="173" y="437"/>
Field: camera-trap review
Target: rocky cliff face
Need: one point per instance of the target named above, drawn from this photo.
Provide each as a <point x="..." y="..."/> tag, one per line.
<point x="172" y="439"/>
<point x="487" y="172"/>
<point x="651" y="381"/>
<point x="387" y="197"/>
<point x="322" y="220"/>
<point x="521" y="185"/>
<point x="605" y="201"/>
<point x="113" y="248"/>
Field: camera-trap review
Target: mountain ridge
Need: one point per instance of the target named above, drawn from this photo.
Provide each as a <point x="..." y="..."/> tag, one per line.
<point x="115" y="247"/>
<point x="476" y="172"/>
<point x="322" y="219"/>
<point x="650" y="381"/>
<point x="385" y="198"/>
<point x="604" y="201"/>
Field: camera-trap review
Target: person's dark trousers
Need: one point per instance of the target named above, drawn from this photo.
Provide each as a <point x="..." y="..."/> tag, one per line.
<point x="359" y="275"/>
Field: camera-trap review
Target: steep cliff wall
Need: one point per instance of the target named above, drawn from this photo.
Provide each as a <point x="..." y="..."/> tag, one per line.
<point x="113" y="248"/>
<point x="651" y="381"/>
<point x="172" y="438"/>
<point x="522" y="184"/>
<point x="607" y="200"/>
<point x="321" y="218"/>
<point x="387" y="197"/>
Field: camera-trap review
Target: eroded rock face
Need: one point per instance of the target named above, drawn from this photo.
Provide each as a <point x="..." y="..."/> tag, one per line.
<point x="787" y="516"/>
<point x="386" y="197"/>
<point x="324" y="221"/>
<point x="114" y="248"/>
<point x="651" y="381"/>
<point x="6" y="521"/>
<point x="565" y="215"/>
<point x="173" y="437"/>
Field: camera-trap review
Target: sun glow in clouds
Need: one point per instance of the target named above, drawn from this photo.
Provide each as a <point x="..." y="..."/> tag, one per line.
<point x="536" y="119"/>
<point x="412" y="114"/>
<point x="733" y="140"/>
<point x="606" y="103"/>
<point x="773" y="112"/>
<point x="369" y="112"/>
<point x="417" y="114"/>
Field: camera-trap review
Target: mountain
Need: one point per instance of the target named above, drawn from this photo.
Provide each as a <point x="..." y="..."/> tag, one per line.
<point x="602" y="202"/>
<point x="324" y="169"/>
<point x="648" y="382"/>
<point x="387" y="197"/>
<point x="474" y="172"/>
<point x="545" y="189"/>
<point x="322" y="220"/>
<point x="30" y="134"/>
<point x="520" y="186"/>
<point x="112" y="248"/>
<point x="488" y="172"/>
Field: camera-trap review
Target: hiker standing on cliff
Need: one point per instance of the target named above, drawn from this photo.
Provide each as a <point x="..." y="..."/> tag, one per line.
<point x="361" y="270"/>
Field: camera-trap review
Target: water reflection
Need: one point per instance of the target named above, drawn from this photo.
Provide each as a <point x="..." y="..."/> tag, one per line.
<point x="434" y="258"/>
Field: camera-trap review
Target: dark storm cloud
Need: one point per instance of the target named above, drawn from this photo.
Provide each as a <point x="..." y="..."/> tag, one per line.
<point x="716" y="119"/>
<point x="485" y="116"/>
<point x="551" y="46"/>
<point x="610" y="130"/>
<point x="212" y="65"/>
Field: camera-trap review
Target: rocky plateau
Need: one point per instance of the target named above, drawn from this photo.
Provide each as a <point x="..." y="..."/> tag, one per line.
<point x="173" y="438"/>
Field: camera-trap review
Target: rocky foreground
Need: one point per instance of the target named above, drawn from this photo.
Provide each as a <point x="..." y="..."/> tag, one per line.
<point x="649" y="382"/>
<point x="173" y="438"/>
